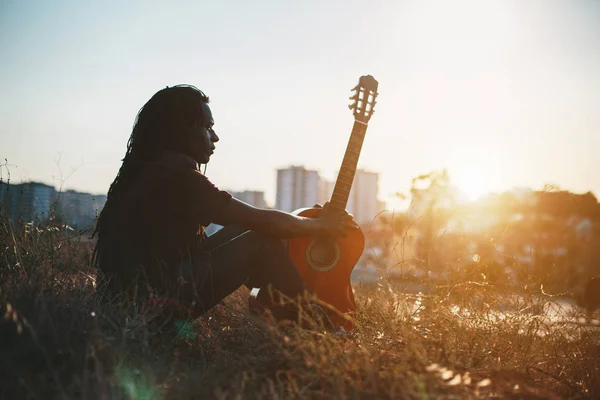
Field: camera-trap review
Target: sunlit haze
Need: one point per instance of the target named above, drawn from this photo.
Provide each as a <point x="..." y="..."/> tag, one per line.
<point x="501" y="93"/>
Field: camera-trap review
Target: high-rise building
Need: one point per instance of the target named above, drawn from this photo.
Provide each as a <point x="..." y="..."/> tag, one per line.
<point x="325" y="190"/>
<point x="363" y="202"/>
<point x="297" y="187"/>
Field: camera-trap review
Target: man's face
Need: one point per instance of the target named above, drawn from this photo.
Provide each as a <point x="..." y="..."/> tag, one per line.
<point x="203" y="137"/>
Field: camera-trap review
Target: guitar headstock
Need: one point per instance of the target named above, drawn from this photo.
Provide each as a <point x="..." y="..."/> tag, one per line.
<point x="364" y="98"/>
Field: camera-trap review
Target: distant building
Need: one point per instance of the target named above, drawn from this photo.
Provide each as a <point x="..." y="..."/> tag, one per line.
<point x="325" y="190"/>
<point x="297" y="187"/>
<point x="253" y="197"/>
<point x="34" y="202"/>
<point x="79" y="209"/>
<point x="363" y="202"/>
<point x="28" y="201"/>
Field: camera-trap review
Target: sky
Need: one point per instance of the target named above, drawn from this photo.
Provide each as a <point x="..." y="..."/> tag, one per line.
<point x="501" y="93"/>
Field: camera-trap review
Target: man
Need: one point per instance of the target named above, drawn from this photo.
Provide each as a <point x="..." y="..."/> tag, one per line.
<point x="151" y="230"/>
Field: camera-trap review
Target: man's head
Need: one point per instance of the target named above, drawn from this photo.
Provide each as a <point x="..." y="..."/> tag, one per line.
<point x="178" y="119"/>
<point x="202" y="137"/>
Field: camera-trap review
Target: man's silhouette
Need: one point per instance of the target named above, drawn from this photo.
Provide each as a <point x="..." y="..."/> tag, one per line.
<point x="151" y="230"/>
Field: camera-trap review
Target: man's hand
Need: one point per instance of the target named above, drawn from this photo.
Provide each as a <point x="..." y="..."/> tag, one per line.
<point x="333" y="223"/>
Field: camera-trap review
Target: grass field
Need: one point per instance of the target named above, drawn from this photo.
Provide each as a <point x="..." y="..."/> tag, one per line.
<point x="62" y="338"/>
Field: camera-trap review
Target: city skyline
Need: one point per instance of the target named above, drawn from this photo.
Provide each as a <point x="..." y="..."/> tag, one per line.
<point x="391" y="200"/>
<point x="255" y="197"/>
<point x="36" y="201"/>
<point x="503" y="93"/>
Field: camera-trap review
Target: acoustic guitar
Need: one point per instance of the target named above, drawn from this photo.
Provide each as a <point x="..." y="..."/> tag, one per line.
<point x="326" y="263"/>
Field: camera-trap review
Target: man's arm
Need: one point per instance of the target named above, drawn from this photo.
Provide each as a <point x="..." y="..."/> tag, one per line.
<point x="279" y="223"/>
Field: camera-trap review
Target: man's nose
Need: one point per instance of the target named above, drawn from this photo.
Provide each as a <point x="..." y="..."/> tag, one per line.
<point x="214" y="136"/>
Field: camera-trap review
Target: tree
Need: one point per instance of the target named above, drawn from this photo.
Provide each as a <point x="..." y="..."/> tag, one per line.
<point x="430" y="208"/>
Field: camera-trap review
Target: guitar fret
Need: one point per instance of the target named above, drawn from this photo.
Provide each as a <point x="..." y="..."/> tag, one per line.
<point x="350" y="161"/>
<point x="355" y="143"/>
<point x="358" y="131"/>
<point x="346" y="176"/>
<point x="346" y="183"/>
<point x="337" y="204"/>
<point x="351" y="156"/>
<point x="343" y="184"/>
<point x="356" y="139"/>
<point x="345" y="188"/>
<point x="349" y="164"/>
<point x="350" y="150"/>
<point x="342" y="190"/>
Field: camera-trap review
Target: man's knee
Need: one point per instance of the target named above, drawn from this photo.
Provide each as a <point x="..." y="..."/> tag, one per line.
<point x="266" y="244"/>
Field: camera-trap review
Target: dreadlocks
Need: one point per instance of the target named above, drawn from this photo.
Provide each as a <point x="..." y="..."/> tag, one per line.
<point x="162" y="124"/>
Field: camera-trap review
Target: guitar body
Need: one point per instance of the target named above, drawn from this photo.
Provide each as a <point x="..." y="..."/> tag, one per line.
<point x="326" y="267"/>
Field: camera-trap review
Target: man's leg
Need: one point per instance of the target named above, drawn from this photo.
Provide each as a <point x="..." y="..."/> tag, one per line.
<point x="237" y="258"/>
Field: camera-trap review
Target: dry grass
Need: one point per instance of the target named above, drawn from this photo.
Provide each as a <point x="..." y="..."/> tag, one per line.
<point x="62" y="339"/>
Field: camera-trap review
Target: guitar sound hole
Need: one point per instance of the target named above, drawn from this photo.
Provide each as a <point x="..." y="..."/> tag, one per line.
<point x="323" y="253"/>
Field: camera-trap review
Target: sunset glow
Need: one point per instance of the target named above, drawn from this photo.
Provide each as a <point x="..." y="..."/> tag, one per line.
<point x="472" y="183"/>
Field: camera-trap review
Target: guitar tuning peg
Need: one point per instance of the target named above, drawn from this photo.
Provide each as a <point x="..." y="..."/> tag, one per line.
<point x="354" y="97"/>
<point x="351" y="106"/>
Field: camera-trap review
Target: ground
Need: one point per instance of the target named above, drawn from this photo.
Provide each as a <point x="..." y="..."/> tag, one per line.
<point x="62" y="338"/>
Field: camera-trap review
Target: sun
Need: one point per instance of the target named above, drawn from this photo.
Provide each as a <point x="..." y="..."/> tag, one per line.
<point x="472" y="183"/>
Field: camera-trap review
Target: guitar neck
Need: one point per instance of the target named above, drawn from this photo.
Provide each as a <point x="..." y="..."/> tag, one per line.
<point x="343" y="184"/>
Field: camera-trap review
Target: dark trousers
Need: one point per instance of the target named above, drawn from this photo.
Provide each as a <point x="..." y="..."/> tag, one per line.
<point x="233" y="257"/>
